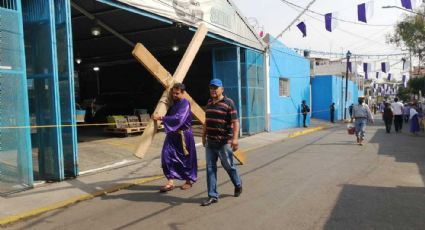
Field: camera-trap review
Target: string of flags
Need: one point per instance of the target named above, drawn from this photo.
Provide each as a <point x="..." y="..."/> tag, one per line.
<point x="384" y="69"/>
<point x="384" y="89"/>
<point x="365" y="12"/>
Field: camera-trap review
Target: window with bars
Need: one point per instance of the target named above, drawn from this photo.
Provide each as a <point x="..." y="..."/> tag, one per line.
<point x="284" y="87"/>
<point x="8" y="4"/>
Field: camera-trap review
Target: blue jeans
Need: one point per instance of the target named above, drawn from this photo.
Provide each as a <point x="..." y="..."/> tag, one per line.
<point x="360" y="127"/>
<point x="225" y="153"/>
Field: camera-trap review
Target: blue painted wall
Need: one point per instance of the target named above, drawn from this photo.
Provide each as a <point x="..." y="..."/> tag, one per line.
<point x="327" y="89"/>
<point x="285" y="63"/>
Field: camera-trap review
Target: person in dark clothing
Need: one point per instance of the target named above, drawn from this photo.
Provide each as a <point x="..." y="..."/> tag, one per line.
<point x="374" y="108"/>
<point x="387" y="116"/>
<point x="304" y="110"/>
<point x="350" y="111"/>
<point x="332" y="110"/>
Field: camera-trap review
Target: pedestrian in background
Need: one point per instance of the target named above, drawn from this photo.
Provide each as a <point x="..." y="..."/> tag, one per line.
<point x="406" y="112"/>
<point x="387" y="116"/>
<point x="350" y="111"/>
<point x="332" y="111"/>
<point x="362" y="115"/>
<point x="304" y="110"/>
<point x="414" y="120"/>
<point x="398" y="109"/>
<point x="381" y="106"/>
<point x="220" y="138"/>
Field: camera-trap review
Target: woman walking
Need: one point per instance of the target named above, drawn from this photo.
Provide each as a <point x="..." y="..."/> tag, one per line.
<point x="414" y="120"/>
<point x="387" y="116"/>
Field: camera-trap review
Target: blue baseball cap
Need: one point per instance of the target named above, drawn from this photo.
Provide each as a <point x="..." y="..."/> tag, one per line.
<point x="216" y="82"/>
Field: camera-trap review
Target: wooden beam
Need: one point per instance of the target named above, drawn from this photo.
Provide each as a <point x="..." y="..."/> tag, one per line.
<point x="152" y="127"/>
<point x="152" y="65"/>
<point x="190" y="53"/>
<point x="197" y="111"/>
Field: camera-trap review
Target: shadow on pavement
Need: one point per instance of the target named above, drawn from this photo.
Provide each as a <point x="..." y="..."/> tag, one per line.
<point x="392" y="207"/>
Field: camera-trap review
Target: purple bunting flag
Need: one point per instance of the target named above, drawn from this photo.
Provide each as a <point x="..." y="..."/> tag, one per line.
<point x="406" y="64"/>
<point x="301" y="26"/>
<point x="385" y="67"/>
<point x="377" y="75"/>
<point x="361" y="12"/>
<point x="404" y="79"/>
<point x="365" y="11"/>
<point x="389" y="77"/>
<point x="330" y="22"/>
<point x="406" y="4"/>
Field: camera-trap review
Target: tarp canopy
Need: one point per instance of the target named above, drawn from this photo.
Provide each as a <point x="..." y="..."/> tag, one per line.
<point x="220" y="17"/>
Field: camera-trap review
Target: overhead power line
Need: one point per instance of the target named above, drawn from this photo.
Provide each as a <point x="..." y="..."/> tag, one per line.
<point x="290" y="24"/>
<point x="338" y="19"/>
<point x="354" y="54"/>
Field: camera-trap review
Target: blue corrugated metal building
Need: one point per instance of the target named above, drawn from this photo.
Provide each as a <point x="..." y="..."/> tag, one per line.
<point x="289" y="84"/>
<point x="47" y="47"/>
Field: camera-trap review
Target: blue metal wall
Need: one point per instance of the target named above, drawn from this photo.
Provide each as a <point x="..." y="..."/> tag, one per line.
<point x="66" y="85"/>
<point x="252" y="92"/>
<point x="15" y="143"/>
<point x="50" y="69"/>
<point x="285" y="63"/>
<point x="241" y="71"/>
<point x="327" y="89"/>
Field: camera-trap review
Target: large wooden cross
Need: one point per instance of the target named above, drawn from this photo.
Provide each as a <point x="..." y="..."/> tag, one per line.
<point x="164" y="77"/>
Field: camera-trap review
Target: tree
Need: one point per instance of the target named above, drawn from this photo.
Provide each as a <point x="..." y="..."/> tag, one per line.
<point x="403" y="94"/>
<point x="416" y="84"/>
<point x="410" y="33"/>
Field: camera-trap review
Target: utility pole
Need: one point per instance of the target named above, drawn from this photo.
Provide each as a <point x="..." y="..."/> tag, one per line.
<point x="348" y="55"/>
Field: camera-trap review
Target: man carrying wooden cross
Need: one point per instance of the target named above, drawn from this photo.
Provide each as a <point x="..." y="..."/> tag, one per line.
<point x="220" y="137"/>
<point x="179" y="152"/>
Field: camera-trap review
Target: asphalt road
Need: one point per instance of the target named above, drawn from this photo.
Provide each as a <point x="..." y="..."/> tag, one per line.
<point x="318" y="181"/>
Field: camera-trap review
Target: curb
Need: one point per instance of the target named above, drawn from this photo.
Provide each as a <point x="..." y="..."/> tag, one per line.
<point x="62" y="204"/>
<point x="307" y="131"/>
<point x="38" y="211"/>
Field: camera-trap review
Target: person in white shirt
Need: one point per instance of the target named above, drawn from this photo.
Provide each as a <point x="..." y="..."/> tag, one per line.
<point x="362" y="115"/>
<point x="398" y="110"/>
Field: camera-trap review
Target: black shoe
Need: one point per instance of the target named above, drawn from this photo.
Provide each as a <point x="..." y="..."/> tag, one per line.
<point x="209" y="201"/>
<point x="238" y="191"/>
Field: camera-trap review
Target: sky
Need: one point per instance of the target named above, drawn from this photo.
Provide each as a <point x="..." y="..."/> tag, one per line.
<point x="360" y="38"/>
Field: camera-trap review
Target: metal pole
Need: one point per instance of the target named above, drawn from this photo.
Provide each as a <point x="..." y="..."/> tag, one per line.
<point x="346" y="86"/>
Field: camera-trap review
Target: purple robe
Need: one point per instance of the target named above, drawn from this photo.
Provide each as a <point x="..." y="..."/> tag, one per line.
<point x="175" y="164"/>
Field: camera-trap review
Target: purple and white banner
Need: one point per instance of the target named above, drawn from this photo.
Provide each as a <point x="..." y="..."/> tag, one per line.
<point x="330" y="22"/>
<point x="385" y="67"/>
<point x="365" y="11"/>
<point x="406" y="64"/>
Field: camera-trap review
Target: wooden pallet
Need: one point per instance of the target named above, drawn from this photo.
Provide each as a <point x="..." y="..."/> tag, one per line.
<point x="125" y="131"/>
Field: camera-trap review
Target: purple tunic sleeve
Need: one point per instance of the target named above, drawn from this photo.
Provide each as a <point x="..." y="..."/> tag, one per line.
<point x="176" y="116"/>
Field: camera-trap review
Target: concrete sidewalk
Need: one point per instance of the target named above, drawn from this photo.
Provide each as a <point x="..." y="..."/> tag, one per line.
<point x="47" y="197"/>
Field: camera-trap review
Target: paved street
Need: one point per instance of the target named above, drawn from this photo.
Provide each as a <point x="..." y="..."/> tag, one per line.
<point x="318" y="181"/>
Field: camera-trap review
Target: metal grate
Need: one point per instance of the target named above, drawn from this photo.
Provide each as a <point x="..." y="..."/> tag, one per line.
<point x="8" y="4"/>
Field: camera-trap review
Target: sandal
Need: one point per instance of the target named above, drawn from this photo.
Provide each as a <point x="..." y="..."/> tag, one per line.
<point x="186" y="186"/>
<point x="166" y="188"/>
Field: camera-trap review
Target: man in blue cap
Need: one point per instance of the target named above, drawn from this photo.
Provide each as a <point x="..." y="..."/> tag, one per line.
<point x="220" y="138"/>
